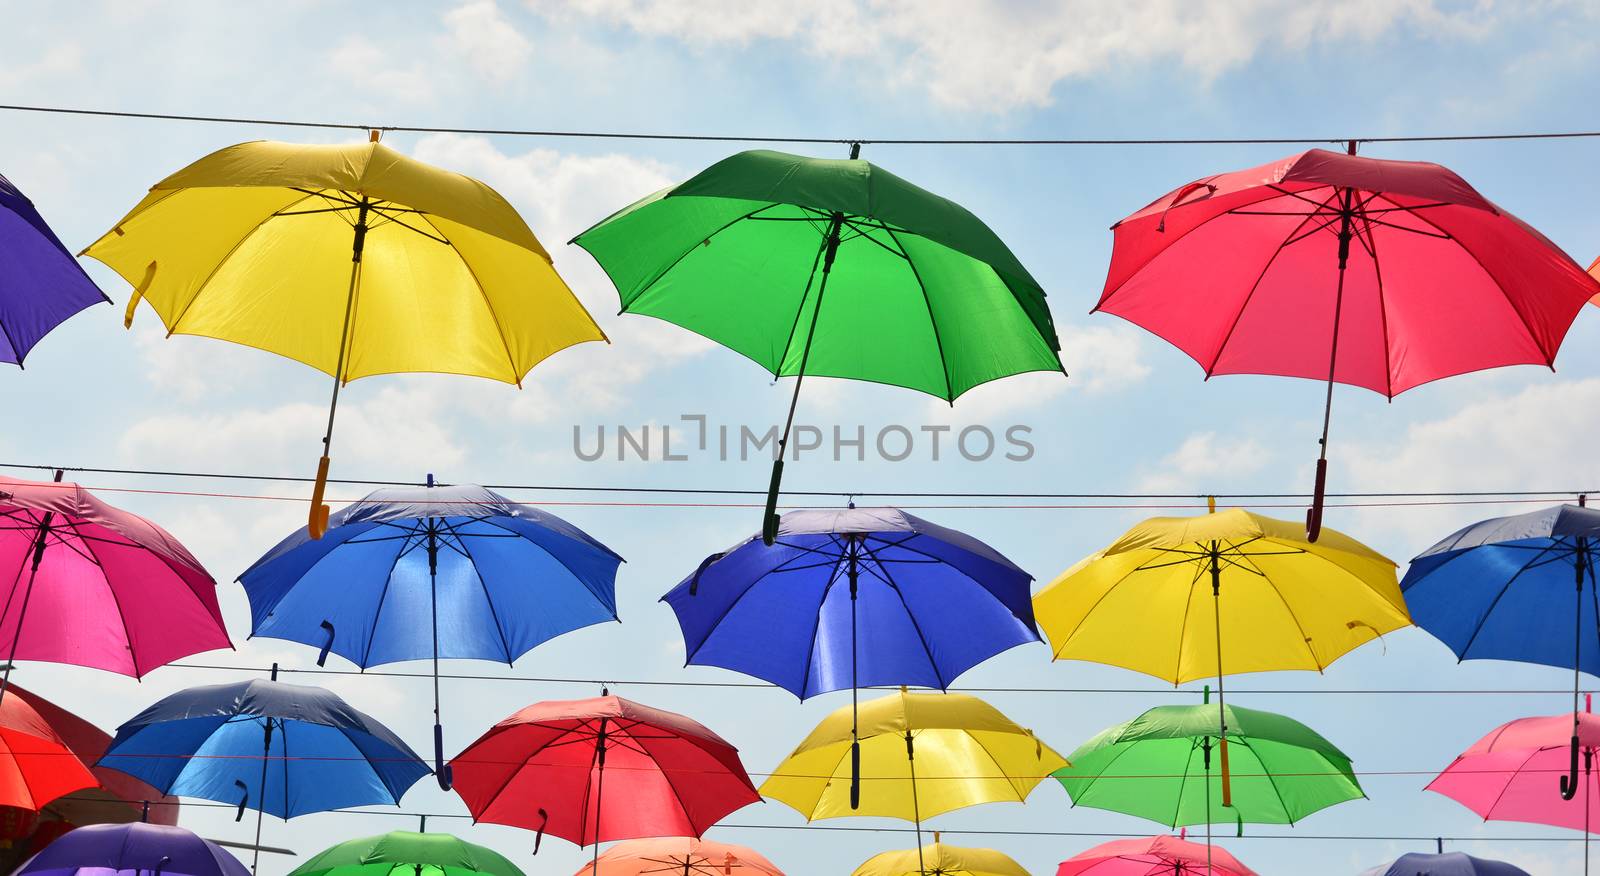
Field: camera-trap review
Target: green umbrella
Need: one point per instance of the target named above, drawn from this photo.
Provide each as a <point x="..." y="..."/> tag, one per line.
<point x="1158" y="766"/>
<point x="404" y="853"/>
<point x="920" y="293"/>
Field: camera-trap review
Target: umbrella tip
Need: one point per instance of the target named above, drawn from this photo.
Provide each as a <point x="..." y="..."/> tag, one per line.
<point x="374" y="135"/>
<point x="430" y="478"/>
<point x="1211" y="504"/>
<point x="274" y="672"/>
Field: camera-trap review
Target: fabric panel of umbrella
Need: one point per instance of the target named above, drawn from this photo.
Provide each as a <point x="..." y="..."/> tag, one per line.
<point x="919" y="292"/>
<point x="137" y="848"/>
<point x="41" y="284"/>
<point x="1372" y="273"/>
<point x="679" y="856"/>
<point x="353" y="259"/>
<point x="1444" y="864"/>
<point x="853" y="598"/>
<point x="37" y="767"/>
<point x="1498" y="590"/>
<point x="1154" y="856"/>
<point x="486" y="578"/>
<point x="408" y="853"/>
<point x="938" y="859"/>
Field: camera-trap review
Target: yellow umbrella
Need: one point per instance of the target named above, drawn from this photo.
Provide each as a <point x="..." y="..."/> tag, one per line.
<point x="938" y="859"/>
<point x="1166" y="596"/>
<point x="922" y="754"/>
<point x="353" y="259"/>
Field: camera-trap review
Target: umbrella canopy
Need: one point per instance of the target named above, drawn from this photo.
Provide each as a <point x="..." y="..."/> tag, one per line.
<point x="1446" y="864"/>
<point x="1506" y="775"/>
<point x="406" y="853"/>
<point x="920" y="293"/>
<point x="119" y="797"/>
<point x="41" y="284"/>
<point x="93" y="585"/>
<point x="921" y="755"/>
<point x="135" y="849"/>
<point x="1372" y="273"/>
<point x="1159" y="766"/>
<point x="1163" y="855"/>
<point x="37" y="766"/>
<point x="679" y="856"/>
<point x="938" y="859"/>
<point x="353" y="259"/>
<point x="1158" y="600"/>
<point x="601" y="769"/>
<point x="209" y="741"/>
<point x="447" y="572"/>
<point x="854" y="598"/>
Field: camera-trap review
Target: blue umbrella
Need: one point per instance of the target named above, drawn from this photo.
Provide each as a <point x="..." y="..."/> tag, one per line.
<point x="1509" y="587"/>
<point x="851" y="598"/>
<point x="281" y="748"/>
<point x="432" y="572"/>
<point x="41" y="284"/>
<point x="1447" y="864"/>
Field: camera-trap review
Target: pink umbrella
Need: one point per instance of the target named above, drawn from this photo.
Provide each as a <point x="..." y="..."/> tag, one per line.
<point x="1372" y="273"/>
<point x="1163" y="855"/>
<point x="91" y="585"/>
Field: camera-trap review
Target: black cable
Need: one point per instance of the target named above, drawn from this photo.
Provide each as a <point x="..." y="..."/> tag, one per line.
<point x="746" y="138"/>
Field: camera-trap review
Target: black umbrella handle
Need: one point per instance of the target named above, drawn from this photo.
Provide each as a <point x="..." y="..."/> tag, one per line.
<point x="1314" y="513"/>
<point x="441" y="770"/>
<point x="855" y="774"/>
<point x="769" y="521"/>
<point x="1569" y="782"/>
<point x="322" y="656"/>
<point x="243" y="801"/>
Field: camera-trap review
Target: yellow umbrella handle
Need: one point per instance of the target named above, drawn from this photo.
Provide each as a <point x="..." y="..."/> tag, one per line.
<point x="318" y="522"/>
<point x="1227" y="785"/>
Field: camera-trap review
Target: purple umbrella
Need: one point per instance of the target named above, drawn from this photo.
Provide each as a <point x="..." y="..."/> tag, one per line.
<point x="139" y="849"/>
<point x="41" y="284"/>
<point x="1445" y="864"/>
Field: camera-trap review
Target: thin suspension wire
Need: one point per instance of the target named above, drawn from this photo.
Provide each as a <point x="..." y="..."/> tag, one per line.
<point x="760" y="138"/>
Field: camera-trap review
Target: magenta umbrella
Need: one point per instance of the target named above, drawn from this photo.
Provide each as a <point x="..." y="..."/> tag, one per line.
<point x="91" y="585"/>
<point x="1505" y="776"/>
<point x="1372" y="273"/>
<point x="1163" y="855"/>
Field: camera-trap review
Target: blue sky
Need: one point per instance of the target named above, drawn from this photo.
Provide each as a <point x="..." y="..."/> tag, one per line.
<point x="1135" y="415"/>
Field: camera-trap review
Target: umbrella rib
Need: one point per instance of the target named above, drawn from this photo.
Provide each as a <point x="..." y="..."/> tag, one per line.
<point x="689" y="655"/>
<point x="999" y="769"/>
<point x="116" y="600"/>
<point x="1183" y="782"/>
<point x="800" y="308"/>
<point x="692" y="247"/>
<point x="927" y="300"/>
<point x="666" y="776"/>
<point x="816" y="625"/>
<point x="1276" y="791"/>
<point x="1304" y="639"/>
<point x="1092" y="609"/>
<point x="1249" y="296"/>
<point x="494" y="316"/>
<point x="1489" y="812"/>
<point x="488" y="600"/>
<point x="1496" y="601"/>
<point x="201" y="287"/>
<point x="573" y="572"/>
<point x="1123" y="749"/>
<point x="1183" y="625"/>
<point x="921" y="637"/>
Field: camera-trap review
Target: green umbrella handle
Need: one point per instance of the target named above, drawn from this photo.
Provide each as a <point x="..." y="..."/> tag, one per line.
<point x="769" y="522"/>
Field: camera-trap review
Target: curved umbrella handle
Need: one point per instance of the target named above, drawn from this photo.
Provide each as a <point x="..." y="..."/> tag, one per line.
<point x="322" y="657"/>
<point x="694" y="580"/>
<point x="245" y="800"/>
<point x="1569" y="782"/>
<point x="317" y="523"/>
<point x="1314" y="513"/>
<point x="855" y="774"/>
<point x="769" y="520"/>
<point x="441" y="770"/>
<point x="544" y="821"/>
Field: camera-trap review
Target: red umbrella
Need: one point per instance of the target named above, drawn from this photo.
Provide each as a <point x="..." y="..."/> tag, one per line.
<point x="601" y="769"/>
<point x="36" y="766"/>
<point x="1372" y="273"/>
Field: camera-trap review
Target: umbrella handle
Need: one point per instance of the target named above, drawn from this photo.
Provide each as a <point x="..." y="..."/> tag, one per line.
<point x="243" y="801"/>
<point x="1227" y="784"/>
<point x="855" y="775"/>
<point x="769" y="521"/>
<point x="1314" y="513"/>
<point x="317" y="524"/>
<point x="322" y="657"/>
<point x="441" y="770"/>
<point x="1569" y="782"/>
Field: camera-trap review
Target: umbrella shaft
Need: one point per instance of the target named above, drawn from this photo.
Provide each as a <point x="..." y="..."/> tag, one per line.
<point x="356" y="248"/>
<point x="27" y="595"/>
<point x="830" y="249"/>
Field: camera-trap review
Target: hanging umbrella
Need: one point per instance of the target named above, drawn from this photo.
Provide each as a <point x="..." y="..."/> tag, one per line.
<point x="963" y="751"/>
<point x="36" y="766"/>
<point x="413" y="573"/>
<point x="679" y="856"/>
<point x="230" y="743"/>
<point x="854" y="598"/>
<point x="407" y="853"/>
<point x="1504" y="589"/>
<point x="938" y="859"/>
<point x="923" y="294"/>
<point x="119" y="797"/>
<point x="545" y="769"/>
<point x="1159" y="766"/>
<point x="41" y="284"/>
<point x="92" y="585"/>
<point x="1505" y="775"/>
<point x="1444" y="864"/>
<point x="1153" y="856"/>
<point x="135" y="849"/>
<point x="1372" y="273"/>
<point x="353" y="259"/>
<point x="1183" y="598"/>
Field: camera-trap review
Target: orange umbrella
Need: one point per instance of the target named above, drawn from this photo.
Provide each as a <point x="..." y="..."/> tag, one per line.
<point x="679" y="856"/>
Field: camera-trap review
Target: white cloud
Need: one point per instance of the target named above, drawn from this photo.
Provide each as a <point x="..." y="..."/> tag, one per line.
<point x="998" y="55"/>
<point x="56" y="62"/>
<point x="490" y="44"/>
<point x="1204" y="460"/>
<point x="1103" y="358"/>
<point x="370" y="69"/>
